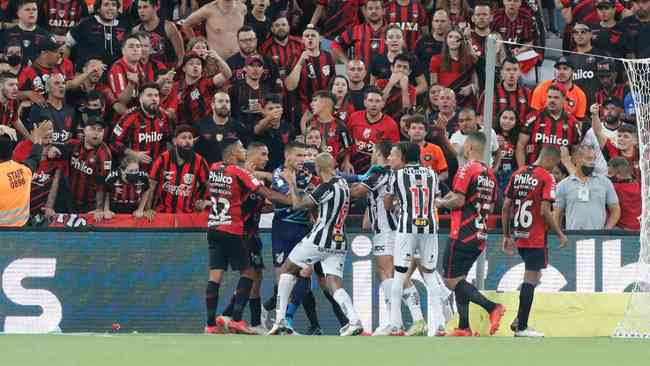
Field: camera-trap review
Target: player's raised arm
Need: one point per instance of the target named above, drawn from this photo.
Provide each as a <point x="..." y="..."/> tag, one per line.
<point x="297" y="200"/>
<point x="274" y="196"/>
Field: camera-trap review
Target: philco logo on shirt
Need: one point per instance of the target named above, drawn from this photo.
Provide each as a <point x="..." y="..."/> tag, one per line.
<point x="526" y="179"/>
<point x="81" y="166"/>
<point x="150" y="137"/>
<point x="220" y="178"/>
<point x="552" y="139"/>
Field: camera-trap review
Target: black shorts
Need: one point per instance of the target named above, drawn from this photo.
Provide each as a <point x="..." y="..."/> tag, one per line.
<point x="535" y="259"/>
<point x="227" y="249"/>
<point x="459" y="258"/>
<point x="254" y="246"/>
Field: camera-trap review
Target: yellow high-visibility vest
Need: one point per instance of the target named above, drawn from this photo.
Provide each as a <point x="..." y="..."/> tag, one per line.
<point x="15" y="187"/>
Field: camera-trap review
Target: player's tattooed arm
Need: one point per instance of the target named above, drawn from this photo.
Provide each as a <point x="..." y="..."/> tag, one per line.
<point x="299" y="200"/>
<point x="452" y="201"/>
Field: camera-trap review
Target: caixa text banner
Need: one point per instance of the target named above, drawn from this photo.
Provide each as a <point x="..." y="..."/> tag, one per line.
<point x="155" y="280"/>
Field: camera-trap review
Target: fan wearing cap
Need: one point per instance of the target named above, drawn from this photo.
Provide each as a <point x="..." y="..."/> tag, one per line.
<point x="144" y="130"/>
<point x="247" y="40"/>
<point x="608" y="34"/>
<point x="32" y="78"/>
<point x="195" y="89"/>
<point x="248" y="96"/>
<point x="584" y="64"/>
<point x="584" y="11"/>
<point x="607" y="88"/>
<point x="636" y="30"/>
<point x="179" y="176"/>
<point x="551" y="126"/>
<point x="314" y="70"/>
<point x="575" y="99"/>
<point x="27" y="31"/>
<point x="90" y="162"/>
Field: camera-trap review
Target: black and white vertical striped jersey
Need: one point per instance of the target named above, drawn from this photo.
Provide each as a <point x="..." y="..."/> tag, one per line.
<point x="416" y="187"/>
<point x="333" y="201"/>
<point x="381" y="219"/>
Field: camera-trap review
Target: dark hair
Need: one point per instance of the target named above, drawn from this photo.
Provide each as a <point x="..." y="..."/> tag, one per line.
<point x="404" y="57"/>
<point x="273" y="99"/>
<point x="98" y="4"/>
<point x="513" y="134"/>
<point x="556" y="88"/>
<point x="619" y="162"/>
<point x="142" y="34"/>
<point x="6" y="147"/>
<point x="6" y="76"/>
<point x="96" y="58"/>
<point x="149" y="85"/>
<point x="22" y="3"/>
<point x="292" y="145"/>
<point x="325" y="94"/>
<point x="627" y="128"/>
<point x="563" y="169"/>
<point x="227" y="145"/>
<point x="130" y="36"/>
<point x="371" y="89"/>
<point x="550" y="150"/>
<point x="96" y="95"/>
<point x="509" y="60"/>
<point x="410" y="151"/>
<point x="417" y="119"/>
<point x="347" y="82"/>
<point x="254" y="145"/>
<point x="384" y="148"/>
<point x="245" y="28"/>
<point x="153" y="3"/>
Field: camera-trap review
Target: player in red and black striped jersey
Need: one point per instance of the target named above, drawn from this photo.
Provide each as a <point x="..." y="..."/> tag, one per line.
<point x="336" y="16"/>
<point x="125" y="190"/>
<point x="59" y="16"/>
<point x="337" y="138"/>
<point x="509" y="94"/>
<point x="368" y="127"/>
<point x="90" y="164"/>
<point x="471" y="200"/>
<point x="551" y="126"/>
<point x="363" y="41"/>
<point x="526" y="216"/>
<point x="179" y="176"/>
<point x="195" y="90"/>
<point x="314" y="70"/>
<point x="411" y="17"/>
<point x="230" y="186"/>
<point x="144" y="130"/>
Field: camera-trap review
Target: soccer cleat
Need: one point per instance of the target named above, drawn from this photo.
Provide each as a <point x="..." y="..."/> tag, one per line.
<point x="314" y="331"/>
<point x="529" y="332"/>
<point x="418" y="328"/>
<point x="495" y="318"/>
<point x="223" y="322"/>
<point x="259" y="329"/>
<point x="459" y="332"/>
<point x="212" y="329"/>
<point x="514" y="326"/>
<point x="384" y="330"/>
<point x="352" y="329"/>
<point x="240" y="327"/>
<point x="266" y="318"/>
<point x="280" y="328"/>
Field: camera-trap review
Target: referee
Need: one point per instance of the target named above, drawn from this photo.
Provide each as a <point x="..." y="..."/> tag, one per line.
<point x="15" y="177"/>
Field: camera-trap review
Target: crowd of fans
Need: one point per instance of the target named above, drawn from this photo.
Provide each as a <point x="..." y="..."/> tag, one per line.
<point x="141" y="93"/>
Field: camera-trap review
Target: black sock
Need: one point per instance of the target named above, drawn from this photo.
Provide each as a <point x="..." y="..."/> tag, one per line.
<point x="255" y="306"/>
<point x="241" y="297"/>
<point x="526" y="295"/>
<point x="270" y="303"/>
<point x="473" y="295"/>
<point x="309" y="304"/>
<point x="340" y="316"/>
<point x="462" y="305"/>
<point x="211" y="302"/>
<point x="228" y="310"/>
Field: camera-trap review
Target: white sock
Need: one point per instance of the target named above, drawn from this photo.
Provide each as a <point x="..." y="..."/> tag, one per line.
<point x="396" y="299"/>
<point x="345" y="302"/>
<point x="436" y="317"/>
<point x="386" y="287"/>
<point x="411" y="298"/>
<point x="285" y="285"/>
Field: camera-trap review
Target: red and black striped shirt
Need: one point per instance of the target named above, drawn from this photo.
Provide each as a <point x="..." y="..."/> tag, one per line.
<point x="153" y="69"/>
<point x="59" y="17"/>
<point x="337" y="138"/>
<point x="394" y="106"/>
<point x="88" y="170"/>
<point x="285" y="57"/>
<point x="141" y="132"/>
<point x="9" y="112"/>
<point x="362" y="42"/>
<point x="520" y="30"/>
<point x="410" y="19"/>
<point x="544" y="130"/>
<point x="316" y="74"/>
<point x="35" y="76"/>
<point x="125" y="197"/>
<point x="519" y="100"/>
<point x="340" y="15"/>
<point x="619" y="91"/>
<point x="195" y="100"/>
<point x="179" y="186"/>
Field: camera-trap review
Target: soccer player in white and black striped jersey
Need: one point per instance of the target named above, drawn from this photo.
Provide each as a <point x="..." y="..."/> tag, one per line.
<point x="326" y="243"/>
<point x="415" y="187"/>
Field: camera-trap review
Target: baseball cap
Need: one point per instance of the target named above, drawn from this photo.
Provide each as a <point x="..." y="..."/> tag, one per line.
<point x="48" y="46"/>
<point x="95" y="120"/>
<point x="279" y="15"/>
<point x="184" y="128"/>
<point x="605" y="66"/>
<point x="190" y="56"/>
<point x="615" y="101"/>
<point x="254" y="59"/>
<point x="563" y="61"/>
<point x="608" y="3"/>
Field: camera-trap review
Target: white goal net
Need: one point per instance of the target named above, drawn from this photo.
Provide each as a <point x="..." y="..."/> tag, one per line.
<point x="636" y="322"/>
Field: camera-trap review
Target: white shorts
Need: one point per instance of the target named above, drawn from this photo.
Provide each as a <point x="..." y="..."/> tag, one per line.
<point x="383" y="244"/>
<point x="307" y="254"/>
<point x="406" y="245"/>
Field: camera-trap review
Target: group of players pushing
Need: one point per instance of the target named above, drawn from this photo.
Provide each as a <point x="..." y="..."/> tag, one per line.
<point x="402" y="203"/>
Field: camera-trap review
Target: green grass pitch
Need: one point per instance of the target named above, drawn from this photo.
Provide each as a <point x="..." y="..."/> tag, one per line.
<point x="186" y="350"/>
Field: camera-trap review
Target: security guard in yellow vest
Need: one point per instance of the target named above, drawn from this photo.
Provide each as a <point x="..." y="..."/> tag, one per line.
<point x="16" y="177"/>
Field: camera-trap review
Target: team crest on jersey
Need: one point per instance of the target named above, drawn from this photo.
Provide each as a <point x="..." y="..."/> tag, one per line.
<point x="195" y="94"/>
<point x="26" y="43"/>
<point x="523" y="100"/>
<point x="61" y="13"/>
<point x="219" y="137"/>
<point x="188" y="178"/>
<point x="168" y="174"/>
<point x="427" y="157"/>
<point x="52" y="11"/>
<point x="366" y="133"/>
<point x="374" y="44"/>
<point x="326" y="70"/>
<point x="118" y="130"/>
<point x="571" y="102"/>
